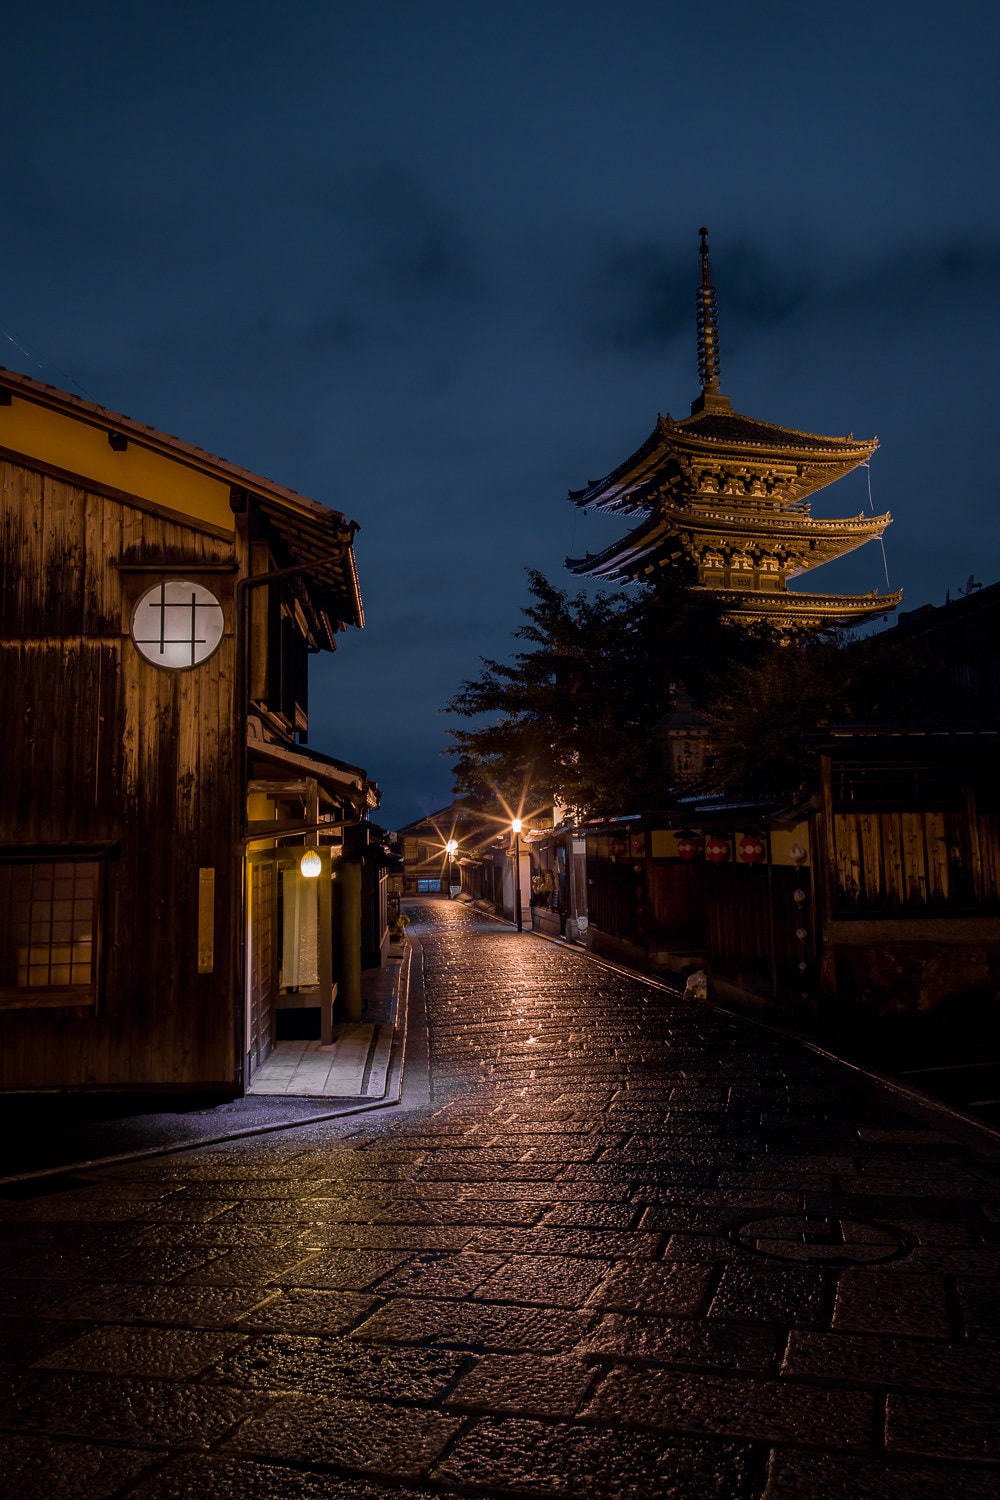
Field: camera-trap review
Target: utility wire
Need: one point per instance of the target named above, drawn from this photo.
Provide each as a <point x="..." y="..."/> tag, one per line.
<point x="871" y="505"/>
<point x="41" y="365"/>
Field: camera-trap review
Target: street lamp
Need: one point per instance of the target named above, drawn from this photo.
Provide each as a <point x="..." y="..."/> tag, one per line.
<point x="450" y="848"/>
<point x="516" y="829"/>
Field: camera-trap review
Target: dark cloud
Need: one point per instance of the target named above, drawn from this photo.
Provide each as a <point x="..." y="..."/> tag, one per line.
<point x="917" y="276"/>
<point x="645" y="294"/>
<point x="414" y="245"/>
<point x="642" y="297"/>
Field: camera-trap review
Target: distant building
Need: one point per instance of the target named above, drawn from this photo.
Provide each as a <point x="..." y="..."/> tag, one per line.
<point x="721" y="503"/>
<point x="176" y="867"/>
<point x="428" y="867"/>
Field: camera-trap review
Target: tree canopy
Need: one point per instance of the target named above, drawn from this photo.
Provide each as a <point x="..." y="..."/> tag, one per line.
<point x="572" y="716"/>
<point x="761" y="711"/>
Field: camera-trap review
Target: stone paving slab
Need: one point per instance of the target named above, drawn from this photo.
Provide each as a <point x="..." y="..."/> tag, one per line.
<point x="316" y="1070"/>
<point x="228" y="1479"/>
<point x="630" y="1247"/>
<point x="31" y="1467"/>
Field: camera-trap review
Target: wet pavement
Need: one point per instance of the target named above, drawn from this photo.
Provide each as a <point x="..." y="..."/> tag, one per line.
<point x="612" y="1244"/>
<point x="48" y="1133"/>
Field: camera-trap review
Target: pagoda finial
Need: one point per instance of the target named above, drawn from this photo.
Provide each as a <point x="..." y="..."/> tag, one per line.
<point x="708" y="324"/>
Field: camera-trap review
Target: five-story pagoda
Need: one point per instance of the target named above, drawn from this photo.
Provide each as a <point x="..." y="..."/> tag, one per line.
<point x="724" y="505"/>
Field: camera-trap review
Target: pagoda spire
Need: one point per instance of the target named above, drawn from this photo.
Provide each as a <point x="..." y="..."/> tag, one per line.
<point x="707" y="312"/>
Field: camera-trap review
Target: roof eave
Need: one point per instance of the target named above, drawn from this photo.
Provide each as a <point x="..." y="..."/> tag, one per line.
<point x="163" y="442"/>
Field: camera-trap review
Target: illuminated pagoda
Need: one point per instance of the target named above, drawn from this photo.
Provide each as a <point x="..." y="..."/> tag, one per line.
<point x="722" y="502"/>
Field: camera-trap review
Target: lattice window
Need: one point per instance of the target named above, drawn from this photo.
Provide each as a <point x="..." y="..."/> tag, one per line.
<point x="177" y="624"/>
<point x="49" y="931"/>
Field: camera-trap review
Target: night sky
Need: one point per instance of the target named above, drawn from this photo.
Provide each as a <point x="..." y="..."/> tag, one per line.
<point x="434" y="263"/>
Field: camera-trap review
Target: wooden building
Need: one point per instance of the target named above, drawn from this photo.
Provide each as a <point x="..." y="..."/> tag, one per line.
<point x="719" y="502"/>
<point x="158" y="611"/>
<point x="559" y="881"/>
<point x="869" y="909"/>
<point x="699" y="886"/>
<point x="907" y="838"/>
<point x="429" y="867"/>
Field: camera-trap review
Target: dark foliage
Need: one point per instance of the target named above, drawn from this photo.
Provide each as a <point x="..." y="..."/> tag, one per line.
<point x="762" y="711"/>
<point x="573" y="716"/>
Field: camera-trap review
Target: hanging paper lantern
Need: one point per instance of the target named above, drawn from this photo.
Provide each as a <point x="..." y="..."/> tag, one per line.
<point x="716" y="849"/>
<point x="687" y="846"/>
<point x="751" y="849"/>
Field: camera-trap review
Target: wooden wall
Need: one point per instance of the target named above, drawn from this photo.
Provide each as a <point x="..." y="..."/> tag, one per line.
<point x="917" y="862"/>
<point x="677" y="898"/>
<point x="101" y="746"/>
<point x="752" y="918"/>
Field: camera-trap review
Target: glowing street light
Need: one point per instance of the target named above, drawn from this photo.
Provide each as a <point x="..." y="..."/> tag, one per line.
<point x="516" y="830"/>
<point x="450" y="848"/>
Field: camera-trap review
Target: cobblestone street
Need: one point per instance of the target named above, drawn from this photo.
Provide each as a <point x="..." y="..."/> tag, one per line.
<point x="630" y="1247"/>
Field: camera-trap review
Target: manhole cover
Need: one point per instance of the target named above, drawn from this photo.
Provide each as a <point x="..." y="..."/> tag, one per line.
<point x="837" y="1242"/>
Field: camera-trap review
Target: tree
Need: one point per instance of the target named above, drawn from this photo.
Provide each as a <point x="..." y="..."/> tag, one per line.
<point x="573" y="716"/>
<point x="763" y="709"/>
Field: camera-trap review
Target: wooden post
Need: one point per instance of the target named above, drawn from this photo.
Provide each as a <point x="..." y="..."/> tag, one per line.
<point x="325" y="950"/>
<point x="975" y="850"/>
<point x="349" y="880"/>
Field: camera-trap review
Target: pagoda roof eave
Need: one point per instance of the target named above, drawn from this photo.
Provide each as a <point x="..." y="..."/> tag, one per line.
<point x="719" y="434"/>
<point x="785" y="599"/>
<point x="829" y="538"/>
<point x="785" y="610"/>
<point x="635" y="468"/>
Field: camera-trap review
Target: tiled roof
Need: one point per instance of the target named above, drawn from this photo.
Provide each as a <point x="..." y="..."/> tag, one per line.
<point x="307" y="528"/>
<point x="721" y="430"/>
<point x="732" y="427"/>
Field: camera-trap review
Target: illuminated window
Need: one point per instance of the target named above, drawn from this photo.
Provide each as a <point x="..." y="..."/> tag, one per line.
<point x="177" y="624"/>
<point x="49" y="916"/>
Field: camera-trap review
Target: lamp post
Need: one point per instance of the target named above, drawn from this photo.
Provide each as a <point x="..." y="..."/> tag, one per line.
<point x="516" y="828"/>
<point x="450" y="848"/>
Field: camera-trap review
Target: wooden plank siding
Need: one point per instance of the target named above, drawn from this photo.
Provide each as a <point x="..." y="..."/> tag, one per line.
<point x="915" y="861"/>
<point x="752" y="919"/>
<point x="103" y="747"/>
<point x="677" y="902"/>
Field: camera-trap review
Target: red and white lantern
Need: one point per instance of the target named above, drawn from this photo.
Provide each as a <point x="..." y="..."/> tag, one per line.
<point x="751" y="849"/>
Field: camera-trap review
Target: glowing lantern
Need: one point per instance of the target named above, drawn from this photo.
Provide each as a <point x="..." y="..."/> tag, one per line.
<point x="310" y="864"/>
<point x="751" y="849"/>
<point x="716" y="849"/>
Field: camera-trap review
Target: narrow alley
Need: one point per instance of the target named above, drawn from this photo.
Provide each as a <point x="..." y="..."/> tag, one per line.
<point x="612" y="1244"/>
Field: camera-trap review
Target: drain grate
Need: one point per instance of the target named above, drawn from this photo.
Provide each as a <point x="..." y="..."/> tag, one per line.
<point x="827" y="1239"/>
